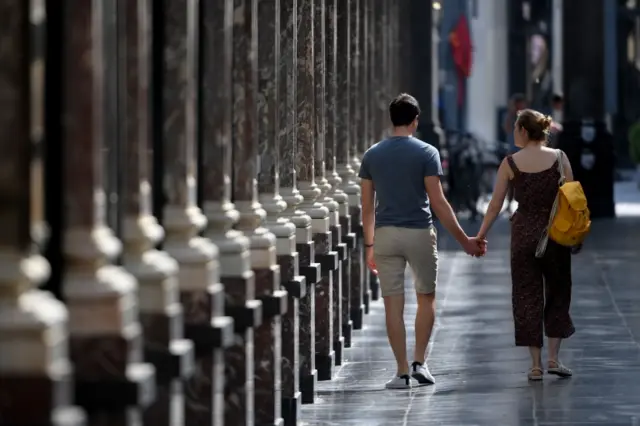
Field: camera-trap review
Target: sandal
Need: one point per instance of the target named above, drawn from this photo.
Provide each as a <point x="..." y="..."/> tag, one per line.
<point x="559" y="369"/>
<point x="535" y="374"/>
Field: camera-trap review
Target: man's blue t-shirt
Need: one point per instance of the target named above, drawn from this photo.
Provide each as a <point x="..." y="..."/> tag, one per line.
<point x="397" y="166"/>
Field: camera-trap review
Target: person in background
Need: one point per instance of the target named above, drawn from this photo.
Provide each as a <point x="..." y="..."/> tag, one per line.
<point x="518" y="102"/>
<point x="557" y="107"/>
<point x="557" y="110"/>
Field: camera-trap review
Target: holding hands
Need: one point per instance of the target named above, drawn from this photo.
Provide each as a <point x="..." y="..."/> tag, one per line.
<point x="475" y="246"/>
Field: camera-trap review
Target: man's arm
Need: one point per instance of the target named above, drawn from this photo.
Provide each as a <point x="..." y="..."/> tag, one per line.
<point x="368" y="210"/>
<point x="367" y="195"/>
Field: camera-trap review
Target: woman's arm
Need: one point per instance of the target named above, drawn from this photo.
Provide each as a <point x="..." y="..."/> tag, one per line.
<point x="497" y="199"/>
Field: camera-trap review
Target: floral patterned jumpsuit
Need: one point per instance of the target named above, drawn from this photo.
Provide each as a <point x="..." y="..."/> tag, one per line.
<point x="541" y="286"/>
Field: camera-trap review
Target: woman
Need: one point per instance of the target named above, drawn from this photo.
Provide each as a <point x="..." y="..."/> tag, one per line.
<point x="533" y="172"/>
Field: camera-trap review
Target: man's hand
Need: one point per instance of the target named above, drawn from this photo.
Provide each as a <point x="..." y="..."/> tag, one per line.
<point x="475" y="246"/>
<point x="371" y="263"/>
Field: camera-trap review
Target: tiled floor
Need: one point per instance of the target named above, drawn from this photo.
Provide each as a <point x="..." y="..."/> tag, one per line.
<point x="480" y="374"/>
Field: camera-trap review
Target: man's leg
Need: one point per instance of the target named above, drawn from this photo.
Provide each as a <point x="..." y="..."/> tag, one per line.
<point x="391" y="266"/>
<point x="396" y="332"/>
<point x="425" y="317"/>
<point x="422" y="255"/>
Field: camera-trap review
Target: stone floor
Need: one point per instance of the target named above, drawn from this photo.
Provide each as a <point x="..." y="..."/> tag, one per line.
<point x="481" y="376"/>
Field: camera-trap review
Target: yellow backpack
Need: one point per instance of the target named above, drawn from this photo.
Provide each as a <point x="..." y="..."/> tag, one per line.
<point x="569" y="222"/>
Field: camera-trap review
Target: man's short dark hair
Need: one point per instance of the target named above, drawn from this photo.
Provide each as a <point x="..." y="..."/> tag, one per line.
<point x="403" y="110"/>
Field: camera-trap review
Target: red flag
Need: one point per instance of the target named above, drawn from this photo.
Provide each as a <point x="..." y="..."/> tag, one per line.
<point x="461" y="48"/>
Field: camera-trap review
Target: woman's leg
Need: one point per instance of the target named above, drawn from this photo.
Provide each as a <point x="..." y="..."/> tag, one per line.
<point x="527" y="300"/>
<point x="553" y="350"/>
<point x="536" y="357"/>
<point x="557" y="319"/>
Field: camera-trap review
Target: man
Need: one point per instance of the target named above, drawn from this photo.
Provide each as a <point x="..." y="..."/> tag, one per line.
<point x="402" y="174"/>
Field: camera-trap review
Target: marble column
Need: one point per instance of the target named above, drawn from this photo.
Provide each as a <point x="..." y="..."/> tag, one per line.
<point x="328" y="259"/>
<point x="156" y="272"/>
<point x="395" y="55"/>
<point x="29" y="317"/>
<point x="200" y="291"/>
<point x="372" y="123"/>
<point x="349" y="168"/>
<point x="286" y="250"/>
<point x="362" y="123"/>
<point x="317" y="214"/>
<point x="343" y="169"/>
<point x="383" y="97"/>
<point x="268" y="350"/>
<point x="244" y="181"/>
<point x="233" y="401"/>
<point x="112" y="383"/>
<point x="336" y="193"/>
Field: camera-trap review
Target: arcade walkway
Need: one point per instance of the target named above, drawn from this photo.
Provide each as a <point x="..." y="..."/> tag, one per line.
<point x="480" y="375"/>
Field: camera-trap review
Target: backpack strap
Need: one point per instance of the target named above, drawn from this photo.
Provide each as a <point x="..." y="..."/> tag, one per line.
<point x="542" y="244"/>
<point x="512" y="164"/>
<point x="560" y="167"/>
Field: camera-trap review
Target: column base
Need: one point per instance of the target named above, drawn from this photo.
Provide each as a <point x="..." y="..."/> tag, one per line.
<point x="67" y="416"/>
<point x="239" y="376"/>
<point x="34" y="396"/>
<point x="357" y="317"/>
<point x="346" y="333"/>
<point x="324" y="365"/>
<point x="337" y="349"/>
<point x="366" y="299"/>
<point x="308" y="387"/>
<point x="291" y="409"/>
<point x="374" y="285"/>
<point x="115" y="395"/>
<point x="278" y="422"/>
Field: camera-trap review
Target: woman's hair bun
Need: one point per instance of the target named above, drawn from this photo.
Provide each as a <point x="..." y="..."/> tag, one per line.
<point x="535" y="123"/>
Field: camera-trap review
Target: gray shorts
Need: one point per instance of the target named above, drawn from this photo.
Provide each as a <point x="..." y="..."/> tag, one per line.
<point x="395" y="247"/>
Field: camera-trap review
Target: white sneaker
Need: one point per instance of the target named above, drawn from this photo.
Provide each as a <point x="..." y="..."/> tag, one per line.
<point x="421" y="373"/>
<point x="399" y="382"/>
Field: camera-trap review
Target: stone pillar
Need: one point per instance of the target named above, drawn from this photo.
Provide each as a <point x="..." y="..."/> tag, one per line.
<point x="374" y="50"/>
<point x="336" y="193"/>
<point x="35" y="387"/>
<point x="233" y="400"/>
<point x="344" y="171"/>
<point x="421" y="50"/>
<point x="382" y="95"/>
<point x="312" y="218"/>
<point x="244" y="182"/>
<point x="395" y="55"/>
<point x="328" y="259"/>
<point x="156" y="271"/>
<point x="286" y="251"/>
<point x="268" y="355"/>
<point x="349" y="169"/>
<point x="106" y="340"/>
<point x="362" y="123"/>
